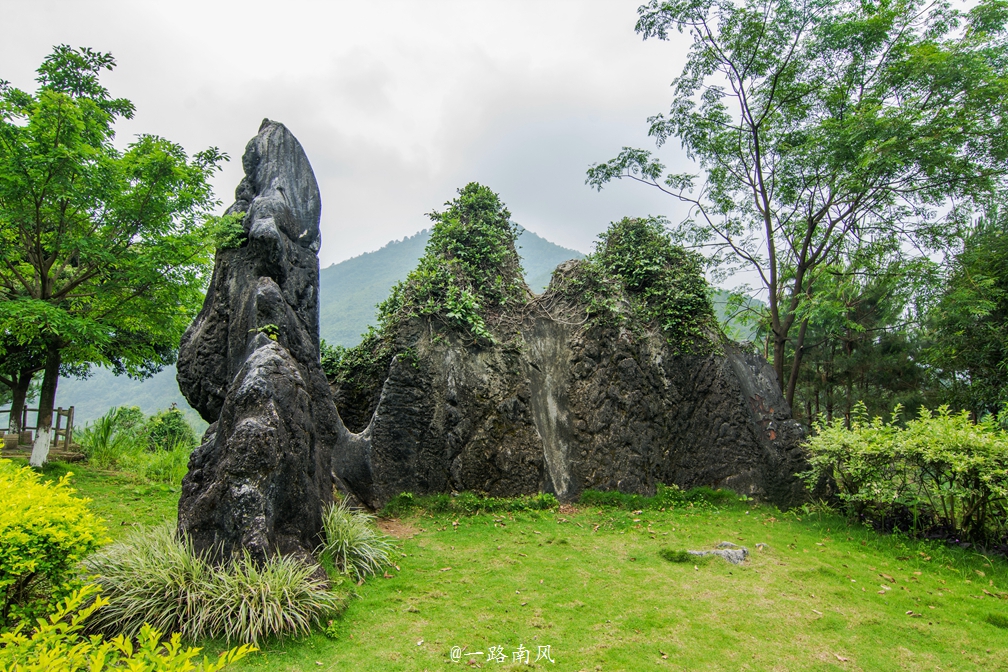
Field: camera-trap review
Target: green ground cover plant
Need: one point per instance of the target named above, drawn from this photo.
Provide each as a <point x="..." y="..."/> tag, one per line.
<point x="592" y="583"/>
<point x="822" y="594"/>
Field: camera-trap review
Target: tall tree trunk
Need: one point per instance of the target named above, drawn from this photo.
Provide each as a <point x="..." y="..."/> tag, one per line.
<point x="47" y="398"/>
<point x="19" y="394"/>
<point x="796" y="363"/>
<point x="778" y="360"/>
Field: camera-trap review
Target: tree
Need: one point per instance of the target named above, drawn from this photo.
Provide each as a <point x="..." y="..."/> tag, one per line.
<point x="863" y="342"/>
<point x="17" y="373"/>
<point x="823" y="125"/>
<point x="103" y="254"/>
<point x="969" y="322"/>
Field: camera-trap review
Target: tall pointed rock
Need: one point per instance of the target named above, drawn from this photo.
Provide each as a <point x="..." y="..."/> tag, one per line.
<point x="249" y="364"/>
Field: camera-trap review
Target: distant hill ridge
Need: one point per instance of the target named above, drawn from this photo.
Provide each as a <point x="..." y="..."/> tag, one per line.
<point x="348" y="294"/>
<point x="350" y="290"/>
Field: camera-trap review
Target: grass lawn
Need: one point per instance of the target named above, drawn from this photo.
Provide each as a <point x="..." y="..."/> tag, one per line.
<point x="589" y="583"/>
<point x="121" y="500"/>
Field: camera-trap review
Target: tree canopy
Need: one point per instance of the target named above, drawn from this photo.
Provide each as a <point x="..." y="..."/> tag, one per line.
<point x="825" y="132"/>
<point x="103" y="252"/>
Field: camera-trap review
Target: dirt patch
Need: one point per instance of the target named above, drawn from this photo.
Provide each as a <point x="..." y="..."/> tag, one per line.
<point x="568" y="509"/>
<point x="396" y="528"/>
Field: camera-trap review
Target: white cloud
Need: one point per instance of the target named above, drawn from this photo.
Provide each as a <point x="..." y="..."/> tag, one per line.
<point x="396" y="104"/>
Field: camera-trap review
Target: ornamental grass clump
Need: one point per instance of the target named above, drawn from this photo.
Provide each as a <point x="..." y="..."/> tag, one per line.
<point x="353" y="545"/>
<point x="155" y="576"/>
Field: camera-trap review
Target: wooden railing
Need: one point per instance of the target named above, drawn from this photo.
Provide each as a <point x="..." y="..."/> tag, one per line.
<point x="61" y="432"/>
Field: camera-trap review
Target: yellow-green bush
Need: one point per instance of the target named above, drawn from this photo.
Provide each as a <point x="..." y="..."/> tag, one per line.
<point x="45" y="532"/>
<point x="57" y="645"/>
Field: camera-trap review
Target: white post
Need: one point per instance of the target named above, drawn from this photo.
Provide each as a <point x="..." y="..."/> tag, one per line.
<point x="40" y="449"/>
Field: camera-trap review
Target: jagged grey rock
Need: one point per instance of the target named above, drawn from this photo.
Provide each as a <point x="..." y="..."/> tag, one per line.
<point x="562" y="407"/>
<point x="249" y="363"/>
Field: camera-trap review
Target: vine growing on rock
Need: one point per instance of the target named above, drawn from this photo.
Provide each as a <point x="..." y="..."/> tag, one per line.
<point x="637" y="272"/>
<point x="468" y="280"/>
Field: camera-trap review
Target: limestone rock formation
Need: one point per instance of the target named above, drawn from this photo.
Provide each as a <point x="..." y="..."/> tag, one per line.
<point x="560" y="404"/>
<point x="567" y="409"/>
<point x="249" y="364"/>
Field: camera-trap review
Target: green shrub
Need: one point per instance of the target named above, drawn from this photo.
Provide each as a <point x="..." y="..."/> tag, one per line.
<point x="110" y="437"/>
<point x="58" y="645"/>
<point x="155" y="577"/>
<point x="636" y="261"/>
<point x="168" y="429"/>
<point x="156" y="449"/>
<point x="227" y="231"/>
<point x="468" y="277"/>
<point x="165" y="466"/>
<point x="941" y="467"/>
<point x="44" y="532"/>
<point x="352" y="544"/>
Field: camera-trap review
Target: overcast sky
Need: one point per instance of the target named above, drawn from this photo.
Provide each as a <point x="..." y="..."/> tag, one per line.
<point x="396" y="104"/>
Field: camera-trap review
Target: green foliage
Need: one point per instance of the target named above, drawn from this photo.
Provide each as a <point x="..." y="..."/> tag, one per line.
<point x="156" y="449"/>
<point x="998" y="620"/>
<point x="227" y="231"/>
<point x="468" y="504"/>
<point x="469" y="276"/>
<point x="862" y="343"/>
<point x="470" y="269"/>
<point x="822" y="128"/>
<point x="358" y="373"/>
<point x="353" y="545"/>
<point x="104" y="441"/>
<point x="665" y="497"/>
<point x="102" y="259"/>
<point x="45" y="532"/>
<point x="636" y="261"/>
<point x="58" y="644"/>
<point x="942" y="468"/>
<point x="155" y="576"/>
<point x="167" y="429"/>
<point x="270" y="331"/>
<point x="969" y="323"/>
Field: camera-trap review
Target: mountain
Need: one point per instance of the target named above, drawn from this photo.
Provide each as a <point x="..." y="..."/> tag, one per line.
<point x="350" y="290"/>
<point x="348" y="294"/>
<point x="93" y="397"/>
